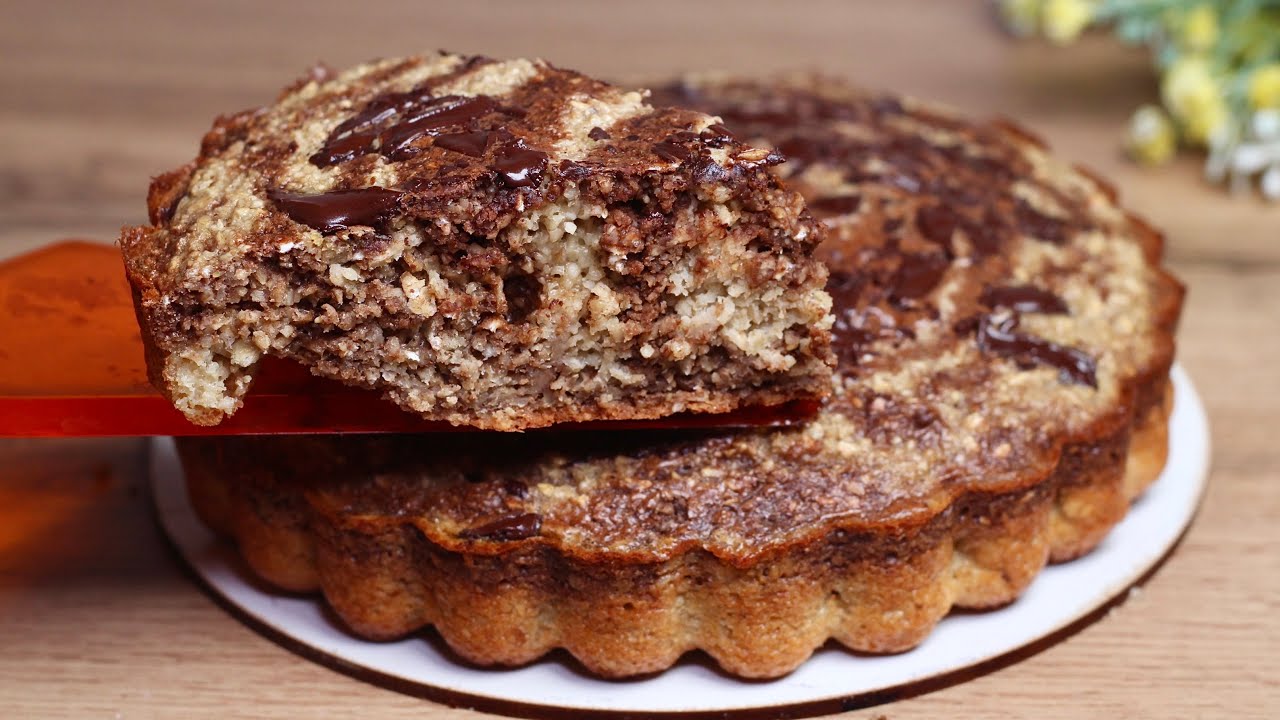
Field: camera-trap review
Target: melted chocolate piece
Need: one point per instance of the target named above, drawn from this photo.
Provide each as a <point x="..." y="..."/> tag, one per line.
<point x="356" y="132"/>
<point x="574" y="171"/>
<point x="801" y="152"/>
<point x="416" y="113"/>
<point x="523" y="294"/>
<point x="849" y="337"/>
<point x="709" y="172"/>
<point x="337" y="210"/>
<point x="848" y="341"/>
<point x="717" y="135"/>
<point x="1038" y="225"/>
<point x="996" y="335"/>
<point x="517" y="164"/>
<point x="1023" y="299"/>
<point x="845" y="288"/>
<point x="381" y="108"/>
<point x="467" y="143"/>
<point x="668" y="150"/>
<point x="507" y="529"/>
<point x="339" y="150"/>
<point x="937" y="223"/>
<point x="443" y="113"/>
<point x="918" y="275"/>
<point x="986" y="238"/>
<point x="599" y="133"/>
<point x="836" y="205"/>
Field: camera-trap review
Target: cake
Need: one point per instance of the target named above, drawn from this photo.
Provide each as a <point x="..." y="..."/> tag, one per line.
<point x="1004" y="331"/>
<point x="497" y="244"/>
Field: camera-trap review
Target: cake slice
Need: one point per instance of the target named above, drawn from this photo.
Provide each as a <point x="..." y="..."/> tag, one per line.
<point x="504" y="245"/>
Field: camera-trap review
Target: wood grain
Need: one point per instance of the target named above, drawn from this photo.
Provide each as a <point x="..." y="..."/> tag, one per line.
<point x="97" y="617"/>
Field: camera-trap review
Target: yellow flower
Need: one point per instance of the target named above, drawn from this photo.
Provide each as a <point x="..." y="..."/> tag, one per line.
<point x="1064" y="20"/>
<point x="1020" y="16"/>
<point x="1192" y="94"/>
<point x="1151" y="138"/>
<point x="1199" y="31"/>
<point x="1264" y="87"/>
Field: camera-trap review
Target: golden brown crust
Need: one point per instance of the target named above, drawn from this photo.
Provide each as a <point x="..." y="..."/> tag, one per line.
<point x="942" y="473"/>
<point x="877" y="591"/>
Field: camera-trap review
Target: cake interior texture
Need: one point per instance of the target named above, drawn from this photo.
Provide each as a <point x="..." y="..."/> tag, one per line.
<point x="504" y="245"/>
<point x="1004" y="330"/>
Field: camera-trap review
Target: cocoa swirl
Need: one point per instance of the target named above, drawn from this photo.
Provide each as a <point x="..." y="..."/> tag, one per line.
<point x="508" y="138"/>
<point x="913" y="214"/>
<point x="998" y="335"/>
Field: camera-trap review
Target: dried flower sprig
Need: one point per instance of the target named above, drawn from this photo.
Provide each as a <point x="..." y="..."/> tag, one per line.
<point x="1220" y="76"/>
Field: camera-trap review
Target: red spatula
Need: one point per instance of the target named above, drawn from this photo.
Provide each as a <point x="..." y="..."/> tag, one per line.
<point x="71" y="364"/>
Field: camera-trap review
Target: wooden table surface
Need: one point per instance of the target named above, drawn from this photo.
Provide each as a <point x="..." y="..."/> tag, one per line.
<point x="98" y="618"/>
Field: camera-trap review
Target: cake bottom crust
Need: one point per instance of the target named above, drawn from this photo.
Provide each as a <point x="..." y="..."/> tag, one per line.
<point x="875" y="591"/>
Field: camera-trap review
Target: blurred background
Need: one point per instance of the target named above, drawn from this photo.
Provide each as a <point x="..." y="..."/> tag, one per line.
<point x="100" y="96"/>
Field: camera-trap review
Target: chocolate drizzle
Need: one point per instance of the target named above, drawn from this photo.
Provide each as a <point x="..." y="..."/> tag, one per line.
<point x="332" y="211"/>
<point x="686" y="145"/>
<point x="507" y="529"/>
<point x="415" y="113"/>
<point x="996" y="334"/>
<point x="391" y="125"/>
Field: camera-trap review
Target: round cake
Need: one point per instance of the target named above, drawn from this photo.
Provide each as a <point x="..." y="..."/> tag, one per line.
<point x="1004" y="332"/>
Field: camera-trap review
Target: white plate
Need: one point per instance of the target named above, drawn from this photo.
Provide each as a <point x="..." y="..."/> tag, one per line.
<point x="1061" y="595"/>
